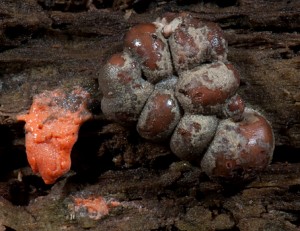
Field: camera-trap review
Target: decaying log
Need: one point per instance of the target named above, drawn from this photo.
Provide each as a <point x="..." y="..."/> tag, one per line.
<point x="177" y="198"/>
<point x="49" y="44"/>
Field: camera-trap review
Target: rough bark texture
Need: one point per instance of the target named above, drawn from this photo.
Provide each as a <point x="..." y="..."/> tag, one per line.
<point x="50" y="44"/>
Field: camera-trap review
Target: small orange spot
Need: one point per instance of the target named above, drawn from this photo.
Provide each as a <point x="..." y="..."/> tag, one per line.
<point x="95" y="207"/>
<point x="52" y="127"/>
<point x="114" y="204"/>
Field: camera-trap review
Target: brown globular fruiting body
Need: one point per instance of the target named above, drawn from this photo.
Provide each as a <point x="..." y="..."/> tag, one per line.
<point x="146" y="42"/>
<point x="195" y="105"/>
<point x="234" y="108"/>
<point x="205" y="89"/>
<point x="194" y="42"/>
<point x="124" y="90"/>
<point x="159" y="116"/>
<point x="240" y="149"/>
<point x="192" y="136"/>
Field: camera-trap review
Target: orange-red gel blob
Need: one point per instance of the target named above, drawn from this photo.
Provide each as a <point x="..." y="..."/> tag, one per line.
<point x="52" y="127"/>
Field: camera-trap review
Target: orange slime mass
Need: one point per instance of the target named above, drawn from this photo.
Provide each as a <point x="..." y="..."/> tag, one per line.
<point x="95" y="207"/>
<point x="52" y="127"/>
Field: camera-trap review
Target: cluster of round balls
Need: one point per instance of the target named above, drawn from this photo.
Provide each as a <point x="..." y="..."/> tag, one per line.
<point x="173" y="81"/>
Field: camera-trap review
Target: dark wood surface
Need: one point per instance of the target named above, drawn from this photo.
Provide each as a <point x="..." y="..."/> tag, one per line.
<point x="49" y="44"/>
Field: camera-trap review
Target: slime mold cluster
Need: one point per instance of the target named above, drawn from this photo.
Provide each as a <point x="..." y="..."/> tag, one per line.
<point x="174" y="83"/>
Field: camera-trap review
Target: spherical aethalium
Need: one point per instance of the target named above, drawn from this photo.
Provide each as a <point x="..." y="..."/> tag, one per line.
<point x="233" y="108"/>
<point x="159" y="116"/>
<point x="205" y="88"/>
<point x="148" y="45"/>
<point x="192" y="136"/>
<point x="124" y="90"/>
<point x="240" y="149"/>
<point x="194" y="42"/>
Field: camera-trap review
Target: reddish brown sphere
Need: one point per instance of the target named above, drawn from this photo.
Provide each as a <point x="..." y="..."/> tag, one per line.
<point x="240" y="150"/>
<point x="159" y="116"/>
<point x="193" y="42"/>
<point x="146" y="42"/>
<point x="121" y="70"/>
<point x="124" y="90"/>
<point x="234" y="108"/>
<point x="192" y="136"/>
<point x="205" y="89"/>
